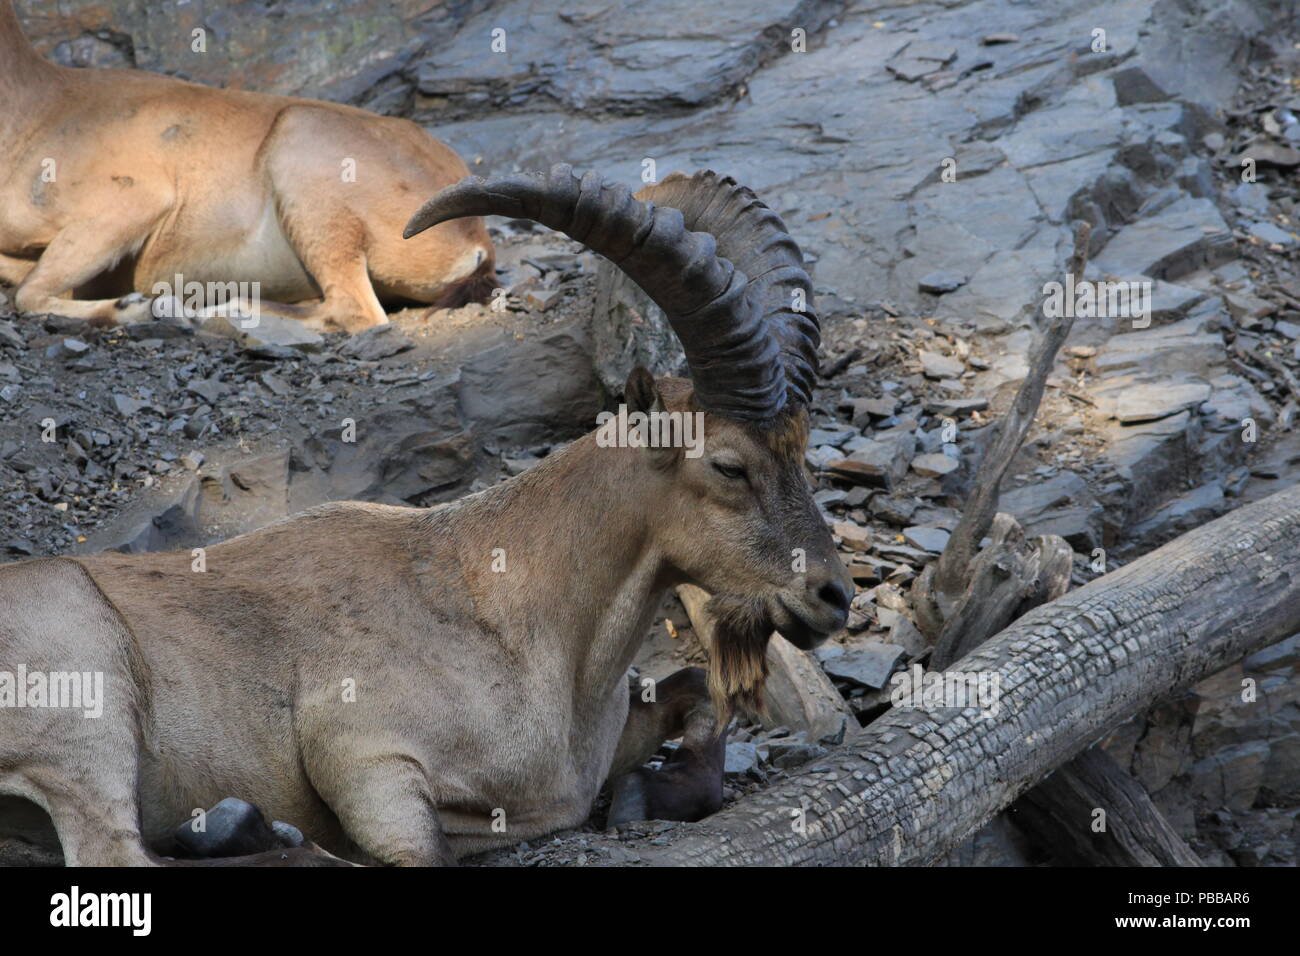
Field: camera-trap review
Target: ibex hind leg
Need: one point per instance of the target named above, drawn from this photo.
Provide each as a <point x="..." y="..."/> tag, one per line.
<point x="689" y="784"/>
<point x="76" y="761"/>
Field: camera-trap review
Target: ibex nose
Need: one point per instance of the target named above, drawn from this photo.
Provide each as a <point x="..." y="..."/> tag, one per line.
<point x="832" y="590"/>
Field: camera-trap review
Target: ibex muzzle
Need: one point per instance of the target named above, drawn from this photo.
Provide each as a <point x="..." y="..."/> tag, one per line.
<point x="406" y="685"/>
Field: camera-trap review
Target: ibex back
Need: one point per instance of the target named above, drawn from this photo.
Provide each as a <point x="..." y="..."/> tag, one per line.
<point x="408" y="685"/>
<point x="119" y="181"/>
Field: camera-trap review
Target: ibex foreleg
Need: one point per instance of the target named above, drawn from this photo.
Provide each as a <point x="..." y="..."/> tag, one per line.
<point x="79" y="253"/>
<point x="689" y="784"/>
<point x="14" y="271"/>
<point x="384" y="803"/>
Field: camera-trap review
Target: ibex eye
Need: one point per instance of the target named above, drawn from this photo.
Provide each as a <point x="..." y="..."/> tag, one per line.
<point x="729" y="471"/>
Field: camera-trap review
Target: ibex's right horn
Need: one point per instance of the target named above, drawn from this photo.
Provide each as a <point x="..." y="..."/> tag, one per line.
<point x="743" y="348"/>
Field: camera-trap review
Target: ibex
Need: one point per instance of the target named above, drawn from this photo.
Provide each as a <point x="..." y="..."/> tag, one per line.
<point x="114" y="182"/>
<point x="408" y="685"/>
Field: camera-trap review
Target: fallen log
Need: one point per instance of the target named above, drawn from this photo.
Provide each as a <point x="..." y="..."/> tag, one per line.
<point x="914" y="784"/>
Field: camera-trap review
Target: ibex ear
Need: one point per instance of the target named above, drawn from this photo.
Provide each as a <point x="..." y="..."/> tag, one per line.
<point x="641" y="393"/>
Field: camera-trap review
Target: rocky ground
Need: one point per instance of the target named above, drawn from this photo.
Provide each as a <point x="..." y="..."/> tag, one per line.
<point x="171" y="436"/>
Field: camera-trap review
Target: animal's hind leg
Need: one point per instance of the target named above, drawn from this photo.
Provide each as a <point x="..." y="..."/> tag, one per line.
<point x="93" y="809"/>
<point x="331" y="244"/>
<point x="689" y="784"/>
<point x="78" y="760"/>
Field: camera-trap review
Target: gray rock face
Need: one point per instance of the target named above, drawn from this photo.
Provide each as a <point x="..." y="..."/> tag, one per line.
<point x="1188" y="235"/>
<point x="1062" y="505"/>
<point x="520" y="392"/>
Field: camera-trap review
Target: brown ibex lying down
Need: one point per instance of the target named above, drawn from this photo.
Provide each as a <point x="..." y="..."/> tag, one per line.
<point x="115" y="182"/>
<point x="411" y="685"/>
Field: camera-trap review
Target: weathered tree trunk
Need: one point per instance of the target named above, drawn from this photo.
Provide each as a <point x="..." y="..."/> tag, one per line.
<point x="1062" y="813"/>
<point x="916" y="782"/>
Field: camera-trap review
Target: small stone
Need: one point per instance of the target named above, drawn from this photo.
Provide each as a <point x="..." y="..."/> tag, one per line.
<point x="895" y="511"/>
<point x="869" y="664"/>
<point x="741" y="759"/>
<point x="934" y="465"/>
<point x="208" y="389"/>
<point x="956" y="407"/>
<point x="829" y="497"/>
<point x="265" y="332"/>
<point x="933" y="540"/>
<point x="10" y="335"/>
<point x="517" y="466"/>
<point x="375" y="343"/>
<point x="939" y="283"/>
<point x="853" y="535"/>
<point x="864" y="570"/>
<point x="1145" y="403"/>
<point x="1272" y="235"/>
<point x="835" y="437"/>
<point x="541" y="299"/>
<point x="1288" y="329"/>
<point x="274" y="384"/>
<point x="937" y="366"/>
<point x="791" y="752"/>
<point x="126" y="406"/>
<point x="869" y="410"/>
<point x="193" y="460"/>
<point x="69" y="348"/>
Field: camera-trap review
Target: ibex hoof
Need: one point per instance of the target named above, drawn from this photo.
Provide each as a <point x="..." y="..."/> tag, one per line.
<point x="629" y="799"/>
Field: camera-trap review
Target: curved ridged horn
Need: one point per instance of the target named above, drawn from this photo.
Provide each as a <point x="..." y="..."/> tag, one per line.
<point x="754" y="238"/>
<point x="736" y="336"/>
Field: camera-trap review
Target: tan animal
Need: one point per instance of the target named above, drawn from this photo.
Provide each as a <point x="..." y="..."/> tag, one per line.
<point x="117" y="181"/>
<point x="411" y="685"/>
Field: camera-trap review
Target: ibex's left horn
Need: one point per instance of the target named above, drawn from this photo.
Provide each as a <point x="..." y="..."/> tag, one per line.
<point x="754" y="238"/>
<point x="737" y="339"/>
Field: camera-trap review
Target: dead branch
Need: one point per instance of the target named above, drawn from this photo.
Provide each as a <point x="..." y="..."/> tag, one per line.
<point x="961" y="599"/>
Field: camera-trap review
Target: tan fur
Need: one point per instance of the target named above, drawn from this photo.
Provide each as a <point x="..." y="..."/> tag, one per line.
<point x="155" y="177"/>
<point x="487" y="641"/>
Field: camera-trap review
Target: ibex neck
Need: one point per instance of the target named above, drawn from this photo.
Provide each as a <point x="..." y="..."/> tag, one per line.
<point x="560" y="561"/>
